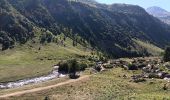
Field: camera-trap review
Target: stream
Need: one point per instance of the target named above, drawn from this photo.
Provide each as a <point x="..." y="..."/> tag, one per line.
<point x="54" y="74"/>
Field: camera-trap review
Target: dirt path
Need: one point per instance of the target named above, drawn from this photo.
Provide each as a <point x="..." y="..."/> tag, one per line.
<point x="42" y="88"/>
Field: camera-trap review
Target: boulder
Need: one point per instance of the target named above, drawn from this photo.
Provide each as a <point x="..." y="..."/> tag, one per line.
<point x="146" y="69"/>
<point x="162" y="74"/>
<point x="159" y="75"/>
<point x="167" y="76"/>
<point x="125" y="67"/>
<point x="142" y="65"/>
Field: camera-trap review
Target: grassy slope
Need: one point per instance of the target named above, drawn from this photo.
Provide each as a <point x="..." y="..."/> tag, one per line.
<point x="152" y="49"/>
<point x="27" y="61"/>
<point x="108" y="85"/>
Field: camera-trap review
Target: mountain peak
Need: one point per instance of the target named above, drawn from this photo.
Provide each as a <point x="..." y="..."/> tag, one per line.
<point x="157" y="11"/>
<point x="160" y="13"/>
<point x="156" y="8"/>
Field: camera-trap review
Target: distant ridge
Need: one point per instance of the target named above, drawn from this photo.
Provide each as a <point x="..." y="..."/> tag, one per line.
<point x="160" y="13"/>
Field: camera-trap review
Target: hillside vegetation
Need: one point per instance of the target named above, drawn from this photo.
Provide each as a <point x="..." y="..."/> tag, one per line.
<point x="33" y="59"/>
<point x="36" y="35"/>
<point x="107" y="28"/>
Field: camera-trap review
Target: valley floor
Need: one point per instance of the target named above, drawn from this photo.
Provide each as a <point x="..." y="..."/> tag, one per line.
<point x="28" y="61"/>
<point x="106" y="85"/>
<point x="33" y="60"/>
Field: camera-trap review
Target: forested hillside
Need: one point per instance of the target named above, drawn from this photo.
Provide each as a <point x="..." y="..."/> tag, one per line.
<point x="112" y="29"/>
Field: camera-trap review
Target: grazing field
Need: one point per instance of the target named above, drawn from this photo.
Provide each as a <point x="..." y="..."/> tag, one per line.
<point x="33" y="59"/>
<point x="107" y="85"/>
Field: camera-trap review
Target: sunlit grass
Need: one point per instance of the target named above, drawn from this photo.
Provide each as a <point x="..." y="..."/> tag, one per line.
<point x="108" y="85"/>
<point x="25" y="61"/>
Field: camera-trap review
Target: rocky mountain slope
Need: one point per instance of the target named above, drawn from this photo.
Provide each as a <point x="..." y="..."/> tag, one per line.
<point x="112" y="29"/>
<point x="160" y="13"/>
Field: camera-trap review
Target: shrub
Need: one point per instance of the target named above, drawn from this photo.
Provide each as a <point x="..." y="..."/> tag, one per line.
<point x="167" y="54"/>
<point x="82" y="66"/>
<point x="5" y="45"/>
<point x="165" y="87"/>
<point x="108" y="66"/>
<point x="91" y="64"/>
<point x="46" y="37"/>
<point x="43" y="38"/>
<point x="47" y="98"/>
<point x="63" y="66"/>
<point x="132" y="67"/>
<point x="98" y="68"/>
<point x="153" y="75"/>
<point x="139" y="80"/>
<point x="71" y="66"/>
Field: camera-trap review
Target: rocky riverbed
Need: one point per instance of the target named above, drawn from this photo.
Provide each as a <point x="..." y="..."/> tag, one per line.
<point x="54" y="74"/>
<point x="152" y="67"/>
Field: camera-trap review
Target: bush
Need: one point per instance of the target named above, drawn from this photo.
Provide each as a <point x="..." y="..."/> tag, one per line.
<point x="153" y="75"/>
<point x="46" y="37"/>
<point x="91" y="64"/>
<point x="71" y="66"/>
<point x="98" y="68"/>
<point x="139" y="80"/>
<point x="132" y="67"/>
<point x="47" y="98"/>
<point x="167" y="54"/>
<point x="165" y="87"/>
<point x="108" y="66"/>
<point x="82" y="66"/>
<point x="63" y="66"/>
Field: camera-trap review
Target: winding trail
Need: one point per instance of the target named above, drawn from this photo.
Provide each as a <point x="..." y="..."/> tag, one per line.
<point x="19" y="93"/>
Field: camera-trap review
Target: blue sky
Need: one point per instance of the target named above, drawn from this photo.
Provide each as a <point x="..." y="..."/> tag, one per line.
<point x="165" y="4"/>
